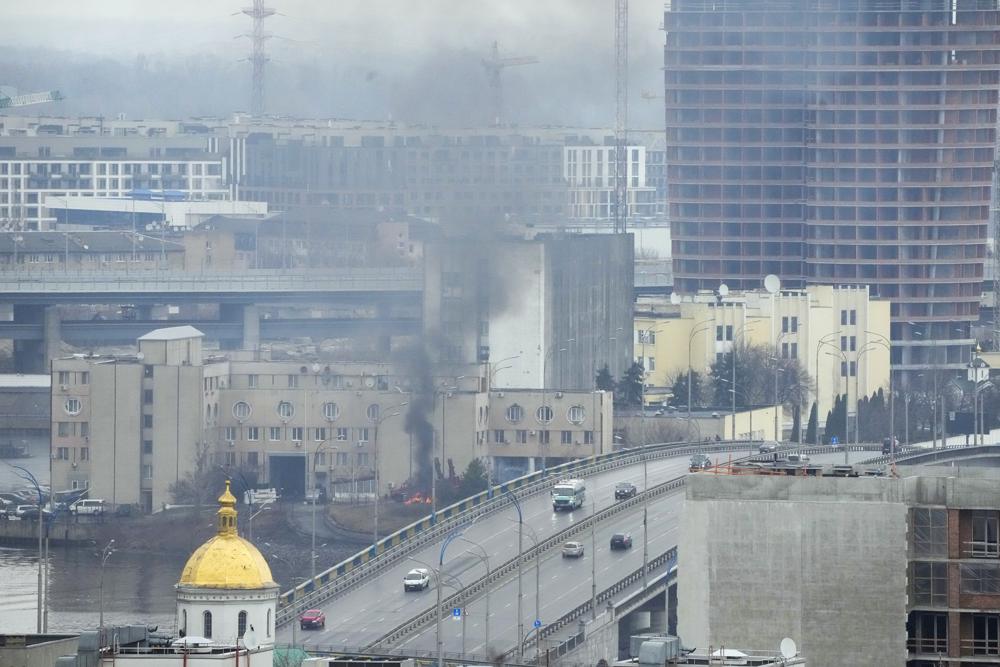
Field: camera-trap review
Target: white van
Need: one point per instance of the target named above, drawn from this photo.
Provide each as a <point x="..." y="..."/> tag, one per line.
<point x="88" y="506"/>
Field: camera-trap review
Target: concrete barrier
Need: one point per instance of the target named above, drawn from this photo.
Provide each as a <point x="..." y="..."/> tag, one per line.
<point x="25" y="532"/>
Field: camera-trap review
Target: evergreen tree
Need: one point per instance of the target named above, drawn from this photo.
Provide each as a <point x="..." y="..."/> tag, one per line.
<point x="629" y="388"/>
<point x="680" y="389"/>
<point x="813" y="425"/>
<point x="796" y="425"/>
<point x="604" y="381"/>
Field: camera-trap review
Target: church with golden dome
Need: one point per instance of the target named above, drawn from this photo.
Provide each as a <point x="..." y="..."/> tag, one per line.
<point x="226" y="587"/>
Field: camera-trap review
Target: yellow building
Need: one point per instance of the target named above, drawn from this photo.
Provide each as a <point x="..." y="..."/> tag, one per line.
<point x="840" y="335"/>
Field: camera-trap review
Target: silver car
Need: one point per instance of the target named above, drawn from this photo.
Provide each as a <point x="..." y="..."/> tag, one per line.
<point x="572" y="550"/>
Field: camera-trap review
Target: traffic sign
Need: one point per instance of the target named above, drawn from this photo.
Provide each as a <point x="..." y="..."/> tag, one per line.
<point x="834" y="440"/>
<point x="538" y="623"/>
<point x="456" y="612"/>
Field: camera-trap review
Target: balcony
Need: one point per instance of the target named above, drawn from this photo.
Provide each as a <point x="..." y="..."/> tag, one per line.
<point x="978" y="647"/>
<point x="981" y="549"/>
<point x="927" y="645"/>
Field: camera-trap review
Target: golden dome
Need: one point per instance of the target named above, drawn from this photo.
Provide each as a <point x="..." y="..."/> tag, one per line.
<point x="227" y="560"/>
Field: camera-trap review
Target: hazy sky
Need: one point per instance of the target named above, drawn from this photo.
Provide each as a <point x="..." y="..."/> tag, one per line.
<point x="345" y="58"/>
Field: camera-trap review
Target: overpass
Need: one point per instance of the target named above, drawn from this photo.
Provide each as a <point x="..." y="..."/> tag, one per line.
<point x="36" y="328"/>
<point x="366" y="605"/>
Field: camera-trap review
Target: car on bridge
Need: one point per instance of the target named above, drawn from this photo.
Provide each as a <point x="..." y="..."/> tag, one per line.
<point x="624" y="490"/>
<point x="572" y="550"/>
<point x="312" y="620"/>
<point x="768" y="447"/>
<point x="621" y="541"/>
<point x="417" y="580"/>
<point x="699" y="462"/>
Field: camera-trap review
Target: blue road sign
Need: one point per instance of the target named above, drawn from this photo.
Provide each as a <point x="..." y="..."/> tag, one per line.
<point x="456" y="612"/>
<point x="538" y="623"/>
<point x="834" y="440"/>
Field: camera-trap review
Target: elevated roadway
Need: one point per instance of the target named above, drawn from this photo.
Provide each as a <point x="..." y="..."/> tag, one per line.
<point x="377" y="610"/>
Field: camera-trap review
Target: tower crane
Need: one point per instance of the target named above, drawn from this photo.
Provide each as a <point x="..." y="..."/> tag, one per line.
<point x="493" y="67"/>
<point x="8" y="101"/>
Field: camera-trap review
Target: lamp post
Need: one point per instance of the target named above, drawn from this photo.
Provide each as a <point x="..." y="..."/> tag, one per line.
<point x="493" y="368"/>
<point x="697" y="329"/>
<point x="645" y="518"/>
<point x="26" y="475"/>
<point x="445" y="394"/>
<point x="777" y="369"/>
<point x="312" y="556"/>
<point x="104" y="556"/>
<point x="819" y="345"/>
<point x="378" y="422"/>
<point x="520" y="572"/>
<point x="486" y="559"/>
<point x="846" y="373"/>
<point x="887" y="344"/>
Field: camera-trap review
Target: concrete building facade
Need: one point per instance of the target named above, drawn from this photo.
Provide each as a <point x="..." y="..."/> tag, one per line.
<point x="837" y="142"/>
<point x="839" y="335"/>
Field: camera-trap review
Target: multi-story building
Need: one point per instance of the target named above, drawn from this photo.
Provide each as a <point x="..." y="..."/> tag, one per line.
<point x="128" y="427"/>
<point x="859" y="571"/>
<point x="838" y="142"/>
<point x="840" y="335"/>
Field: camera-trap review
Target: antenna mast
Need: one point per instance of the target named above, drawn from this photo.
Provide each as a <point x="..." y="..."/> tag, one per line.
<point x="621" y="116"/>
<point x="258" y="56"/>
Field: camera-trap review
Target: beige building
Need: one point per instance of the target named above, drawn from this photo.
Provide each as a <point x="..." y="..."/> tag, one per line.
<point x="840" y="335"/>
<point x="129" y="427"/>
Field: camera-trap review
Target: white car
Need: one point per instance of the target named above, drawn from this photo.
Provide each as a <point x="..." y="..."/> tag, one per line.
<point x="417" y="580"/>
<point x="88" y="506"/>
<point x="572" y="550"/>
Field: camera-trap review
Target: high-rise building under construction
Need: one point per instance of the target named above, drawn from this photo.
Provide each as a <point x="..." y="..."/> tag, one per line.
<point x="837" y="141"/>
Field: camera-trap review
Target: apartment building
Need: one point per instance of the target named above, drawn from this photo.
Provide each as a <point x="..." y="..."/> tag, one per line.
<point x="87" y="251"/>
<point x="840" y="335"/>
<point x="130" y="426"/>
<point x="837" y="142"/>
<point x="886" y="571"/>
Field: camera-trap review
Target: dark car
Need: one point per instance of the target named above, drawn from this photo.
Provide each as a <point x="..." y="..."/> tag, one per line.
<point x="889" y="445"/>
<point x="700" y="462"/>
<point x="624" y="490"/>
<point x="312" y="619"/>
<point x="621" y="541"/>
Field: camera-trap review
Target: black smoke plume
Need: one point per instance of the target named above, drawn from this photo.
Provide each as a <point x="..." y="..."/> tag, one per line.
<point x="417" y="362"/>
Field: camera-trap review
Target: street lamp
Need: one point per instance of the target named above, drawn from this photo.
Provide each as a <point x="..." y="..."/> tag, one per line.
<point x="520" y="571"/>
<point x="378" y="422"/>
<point x="104" y="556"/>
<point x="486" y="559"/>
<point x="495" y="368"/>
<point x="697" y="329"/>
<point x="312" y="559"/>
<point x="445" y="394"/>
<point x="845" y="371"/>
<point x="819" y="345"/>
<point x="777" y="369"/>
<point x="26" y="475"/>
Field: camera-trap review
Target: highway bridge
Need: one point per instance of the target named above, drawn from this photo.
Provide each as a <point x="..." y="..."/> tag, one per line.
<point x="367" y="608"/>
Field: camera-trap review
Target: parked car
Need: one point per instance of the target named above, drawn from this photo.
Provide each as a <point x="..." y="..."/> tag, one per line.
<point x="572" y="550"/>
<point x="624" y="490"/>
<point x="700" y="462"/>
<point x="768" y="447"/>
<point x="87" y="506"/>
<point x="797" y="458"/>
<point x="621" y="541"/>
<point x="417" y="580"/>
<point x="312" y="619"/>
<point x="30" y="512"/>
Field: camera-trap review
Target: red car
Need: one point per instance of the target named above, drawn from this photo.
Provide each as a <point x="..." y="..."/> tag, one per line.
<point x="312" y="619"/>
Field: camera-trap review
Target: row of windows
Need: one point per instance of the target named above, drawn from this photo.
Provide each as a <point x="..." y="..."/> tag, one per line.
<point x="241" y="623"/>
<point x="73" y="453"/>
<point x="521" y="436"/>
<point x="544" y="414"/>
<point x="286" y="410"/>
<point x="73" y="429"/>
<point x="294" y="433"/>
<point x="73" y="377"/>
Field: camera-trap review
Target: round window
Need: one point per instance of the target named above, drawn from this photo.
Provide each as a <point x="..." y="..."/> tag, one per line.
<point x="331" y="411"/>
<point x="515" y="413"/>
<point x="242" y="410"/>
<point x="576" y="414"/>
<point x="544" y="414"/>
<point x="285" y="410"/>
<point x="72" y="406"/>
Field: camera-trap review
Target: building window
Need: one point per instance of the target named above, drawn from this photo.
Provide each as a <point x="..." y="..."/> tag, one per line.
<point x="242" y="410"/>
<point x="784" y="350"/>
<point x="499" y="437"/>
<point x="147" y="421"/>
<point x="230" y="433"/>
<point x="241" y="624"/>
<point x="543" y="437"/>
<point x="297" y="433"/>
<point x="147" y="471"/>
<point x="650" y="364"/>
<point x="522" y="436"/>
<point x="147" y="396"/>
<point x="206" y="625"/>
<point x="62" y="453"/>
<point x="719" y="332"/>
<point x="795" y="350"/>
<point x="566" y="437"/>
<point x="85" y="453"/>
<point x="147" y="371"/>
<point x="268" y="623"/>
<point x="85" y="377"/>
<point x="320" y="434"/>
<point x="293" y="381"/>
<point x="984" y="535"/>
<point x="64" y="377"/>
<point x="331" y="411"/>
<point x="930" y="583"/>
<point x="253" y="433"/>
<point x="588" y="437"/>
<point x="930" y="531"/>
<point x="274" y="433"/>
<point x="852" y="343"/>
<point x="576" y="414"/>
<point x="63" y="429"/>
<point x="230" y="458"/>
<point x="515" y="413"/>
<point x="342" y="458"/>
<point x="843" y="343"/>
<point x="843" y="369"/>
<point x="252" y="459"/>
<point x="854" y="368"/>
<point x="843" y="317"/>
<point x="729" y="332"/>
<point x="795" y="324"/>
<point x="147" y="446"/>
<point x="784" y="324"/>
<point x="372" y="412"/>
<point x="285" y="409"/>
<point x="854" y="317"/>
<point x="341" y="433"/>
<point x="362" y="459"/>
<point x="252" y="381"/>
<point x="72" y="406"/>
<point x="544" y="414"/>
<point x="362" y="435"/>
<point x="982" y="579"/>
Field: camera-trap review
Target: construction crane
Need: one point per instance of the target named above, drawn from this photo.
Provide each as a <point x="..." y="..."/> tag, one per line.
<point x="493" y="66"/>
<point x="621" y="116"/>
<point x="7" y="102"/>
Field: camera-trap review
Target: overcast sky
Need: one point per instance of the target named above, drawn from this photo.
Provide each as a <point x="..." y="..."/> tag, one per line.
<point x="344" y="58"/>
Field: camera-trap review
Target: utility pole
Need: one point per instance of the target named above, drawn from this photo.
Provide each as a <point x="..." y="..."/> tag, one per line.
<point x="621" y="116"/>
<point x="258" y="56"/>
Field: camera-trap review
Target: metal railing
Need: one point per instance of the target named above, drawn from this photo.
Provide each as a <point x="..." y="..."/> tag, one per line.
<point x="457" y="599"/>
<point x="980" y="646"/>
<point x="981" y="549"/>
<point x="413" y="653"/>
<point x="928" y="645"/>
<point x="366" y="564"/>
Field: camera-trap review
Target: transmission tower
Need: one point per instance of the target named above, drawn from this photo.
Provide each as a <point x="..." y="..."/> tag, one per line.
<point x="621" y="116"/>
<point x="258" y="56"/>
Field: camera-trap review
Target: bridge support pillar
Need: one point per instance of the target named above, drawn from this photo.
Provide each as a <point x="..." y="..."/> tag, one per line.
<point x="33" y="356"/>
<point x="672" y="609"/>
<point x="248" y="317"/>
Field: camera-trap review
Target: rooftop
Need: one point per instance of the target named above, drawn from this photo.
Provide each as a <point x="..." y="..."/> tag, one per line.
<point x="172" y="333"/>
